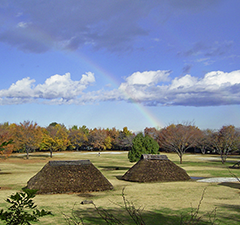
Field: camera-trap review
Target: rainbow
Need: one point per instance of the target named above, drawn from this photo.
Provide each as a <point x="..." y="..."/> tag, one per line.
<point x="39" y="36"/>
<point x="153" y="120"/>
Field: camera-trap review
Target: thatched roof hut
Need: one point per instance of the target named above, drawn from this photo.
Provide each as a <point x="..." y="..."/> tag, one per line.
<point x="69" y="176"/>
<point x="155" y="168"/>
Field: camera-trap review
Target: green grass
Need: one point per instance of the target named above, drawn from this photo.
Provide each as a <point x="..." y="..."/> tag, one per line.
<point x="163" y="201"/>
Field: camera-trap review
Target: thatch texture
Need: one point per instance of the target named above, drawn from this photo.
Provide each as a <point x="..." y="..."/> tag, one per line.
<point x="69" y="176"/>
<point x="155" y="169"/>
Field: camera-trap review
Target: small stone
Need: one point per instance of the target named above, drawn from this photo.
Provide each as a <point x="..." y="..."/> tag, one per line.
<point x="86" y="202"/>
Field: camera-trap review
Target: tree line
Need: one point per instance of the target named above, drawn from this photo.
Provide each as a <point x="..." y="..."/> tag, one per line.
<point x="29" y="137"/>
<point x="180" y="138"/>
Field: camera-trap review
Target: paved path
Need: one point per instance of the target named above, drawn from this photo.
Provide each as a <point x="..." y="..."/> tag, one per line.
<point x="219" y="179"/>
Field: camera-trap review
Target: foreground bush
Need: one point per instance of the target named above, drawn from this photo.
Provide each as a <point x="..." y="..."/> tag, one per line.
<point x="22" y="209"/>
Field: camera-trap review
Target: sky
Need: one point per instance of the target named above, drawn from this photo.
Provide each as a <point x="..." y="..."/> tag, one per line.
<point x="118" y="63"/>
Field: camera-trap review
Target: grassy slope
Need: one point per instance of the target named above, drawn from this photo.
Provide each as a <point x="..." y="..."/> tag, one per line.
<point x="160" y="200"/>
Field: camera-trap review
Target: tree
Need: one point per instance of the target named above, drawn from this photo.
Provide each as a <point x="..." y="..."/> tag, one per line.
<point x="48" y="143"/>
<point x="224" y="141"/>
<point x="77" y="138"/>
<point x="27" y="136"/>
<point x="108" y="142"/>
<point x="204" y="140"/>
<point x="97" y="138"/>
<point x="178" y="138"/>
<point x="142" y="145"/>
<point x="55" y="138"/>
<point x="4" y="144"/>
<point x="113" y="134"/>
<point x="124" y="139"/>
<point x="6" y="147"/>
<point x="152" y="132"/>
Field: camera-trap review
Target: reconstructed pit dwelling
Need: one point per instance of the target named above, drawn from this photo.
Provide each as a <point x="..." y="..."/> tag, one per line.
<point x="155" y="168"/>
<point x="83" y="176"/>
<point x="69" y="176"/>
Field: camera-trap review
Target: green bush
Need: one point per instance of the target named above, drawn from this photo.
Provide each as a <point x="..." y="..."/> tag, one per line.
<point x="22" y="209"/>
<point x="142" y="145"/>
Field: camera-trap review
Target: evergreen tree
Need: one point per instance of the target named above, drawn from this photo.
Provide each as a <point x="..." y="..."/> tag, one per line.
<point x="142" y="145"/>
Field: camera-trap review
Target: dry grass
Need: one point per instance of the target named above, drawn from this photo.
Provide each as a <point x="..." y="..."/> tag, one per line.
<point x="16" y="171"/>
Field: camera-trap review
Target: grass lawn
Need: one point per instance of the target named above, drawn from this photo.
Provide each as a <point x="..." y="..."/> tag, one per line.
<point x="160" y="201"/>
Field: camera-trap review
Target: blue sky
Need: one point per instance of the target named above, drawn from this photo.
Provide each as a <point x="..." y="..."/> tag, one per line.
<point x="117" y="63"/>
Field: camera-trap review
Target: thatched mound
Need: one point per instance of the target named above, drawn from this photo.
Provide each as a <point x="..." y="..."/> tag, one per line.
<point x="153" y="168"/>
<point x="69" y="176"/>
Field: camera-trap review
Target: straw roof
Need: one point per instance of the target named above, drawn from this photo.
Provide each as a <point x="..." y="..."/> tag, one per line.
<point x="69" y="176"/>
<point x="155" y="168"/>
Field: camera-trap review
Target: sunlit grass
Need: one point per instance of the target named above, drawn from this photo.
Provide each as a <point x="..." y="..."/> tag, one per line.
<point x="162" y="200"/>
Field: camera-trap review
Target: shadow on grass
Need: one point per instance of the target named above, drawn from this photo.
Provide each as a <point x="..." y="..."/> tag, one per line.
<point x="2" y="173"/>
<point x="24" y="156"/>
<point x="113" y="167"/>
<point x="166" y="216"/>
<point x="230" y="184"/>
<point x="235" y="208"/>
<point x="86" y="195"/>
<point x="230" y="218"/>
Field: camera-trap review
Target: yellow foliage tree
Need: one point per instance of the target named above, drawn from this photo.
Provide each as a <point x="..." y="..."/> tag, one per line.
<point x="27" y="136"/>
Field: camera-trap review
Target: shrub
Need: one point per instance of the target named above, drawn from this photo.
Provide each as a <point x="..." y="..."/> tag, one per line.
<point x="22" y="209"/>
<point x="142" y="145"/>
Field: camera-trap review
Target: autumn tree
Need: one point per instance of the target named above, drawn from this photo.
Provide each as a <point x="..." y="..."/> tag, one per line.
<point x="77" y="137"/>
<point x="27" y="136"/>
<point x="55" y="138"/>
<point x="6" y="140"/>
<point x="204" y="140"/>
<point x="48" y="142"/>
<point x="142" y="145"/>
<point x="124" y="139"/>
<point x="225" y="140"/>
<point x="152" y="132"/>
<point x="96" y="138"/>
<point x="178" y="138"/>
<point x="112" y="134"/>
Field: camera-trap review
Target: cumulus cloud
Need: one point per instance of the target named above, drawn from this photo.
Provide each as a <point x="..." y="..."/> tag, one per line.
<point x="54" y="88"/>
<point x="138" y="84"/>
<point x="147" y="77"/>
<point x="149" y="87"/>
<point x="215" y="88"/>
<point x="61" y="86"/>
<point x="22" y="88"/>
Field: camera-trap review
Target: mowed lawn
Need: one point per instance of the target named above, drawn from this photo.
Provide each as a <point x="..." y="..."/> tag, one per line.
<point x="162" y="202"/>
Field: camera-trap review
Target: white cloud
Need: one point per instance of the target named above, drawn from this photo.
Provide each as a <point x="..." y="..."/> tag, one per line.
<point x="219" y="78"/>
<point x="136" y="85"/>
<point x="58" y="86"/>
<point x="147" y="77"/>
<point x="148" y="87"/>
<point x="22" y="25"/>
<point x="55" y="87"/>
<point x="183" y="82"/>
<point x="22" y="88"/>
<point x="215" y="88"/>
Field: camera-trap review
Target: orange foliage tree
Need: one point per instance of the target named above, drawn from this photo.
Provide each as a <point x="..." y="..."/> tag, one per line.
<point x="6" y="147"/>
<point x="27" y="136"/>
<point x="99" y="139"/>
